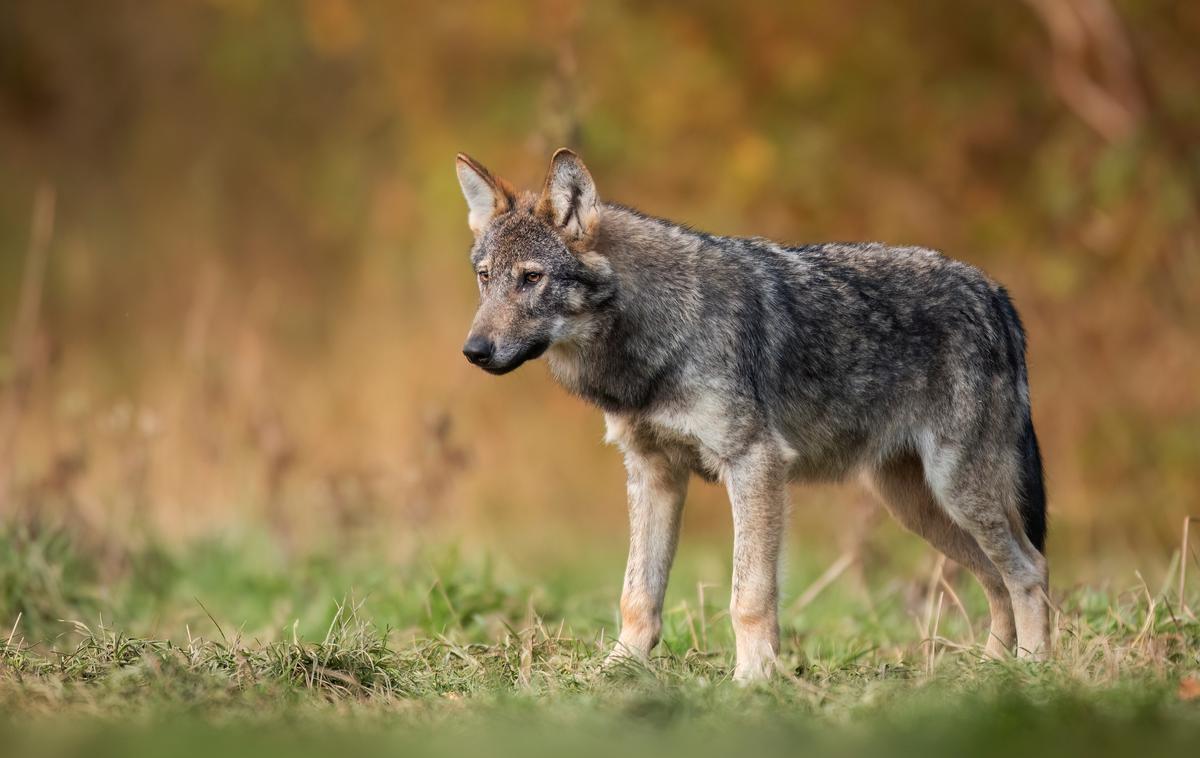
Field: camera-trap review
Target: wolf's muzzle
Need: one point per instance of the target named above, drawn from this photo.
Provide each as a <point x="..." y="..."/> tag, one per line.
<point x="482" y="352"/>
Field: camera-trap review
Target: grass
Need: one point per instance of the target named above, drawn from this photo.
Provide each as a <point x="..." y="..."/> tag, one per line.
<point x="237" y="645"/>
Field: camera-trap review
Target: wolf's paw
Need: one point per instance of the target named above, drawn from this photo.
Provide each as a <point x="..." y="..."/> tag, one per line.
<point x="757" y="660"/>
<point x="624" y="653"/>
<point x="996" y="649"/>
<point x="755" y="669"/>
<point x="624" y="660"/>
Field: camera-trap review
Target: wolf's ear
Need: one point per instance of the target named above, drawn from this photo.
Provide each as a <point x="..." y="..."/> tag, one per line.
<point x="487" y="196"/>
<point x="568" y="198"/>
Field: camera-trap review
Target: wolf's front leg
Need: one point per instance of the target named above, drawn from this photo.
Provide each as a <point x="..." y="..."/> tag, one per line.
<point x="657" y="487"/>
<point x="757" y="493"/>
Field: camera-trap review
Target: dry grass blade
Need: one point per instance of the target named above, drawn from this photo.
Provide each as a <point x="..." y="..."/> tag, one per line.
<point x="1184" y="552"/>
<point x="691" y="622"/>
<point x="932" y="637"/>
<point x="213" y="619"/>
<point x="961" y="608"/>
<point x="935" y="578"/>
<point x="525" y="666"/>
<point x="828" y="577"/>
<point x="703" y="615"/>
<point x="29" y="303"/>
<point x="11" y="634"/>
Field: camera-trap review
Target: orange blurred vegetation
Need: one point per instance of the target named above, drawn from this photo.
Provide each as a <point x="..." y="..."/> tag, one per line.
<point x="255" y="280"/>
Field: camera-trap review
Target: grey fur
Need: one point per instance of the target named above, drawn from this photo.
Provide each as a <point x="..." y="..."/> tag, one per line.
<point x="755" y="364"/>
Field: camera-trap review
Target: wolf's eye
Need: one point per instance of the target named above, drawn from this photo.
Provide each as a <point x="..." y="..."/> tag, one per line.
<point x="533" y="277"/>
<point x="483" y="274"/>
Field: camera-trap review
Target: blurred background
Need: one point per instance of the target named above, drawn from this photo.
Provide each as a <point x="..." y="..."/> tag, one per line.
<point x="233" y="252"/>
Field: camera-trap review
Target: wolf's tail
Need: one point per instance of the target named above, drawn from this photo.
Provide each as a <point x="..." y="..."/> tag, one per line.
<point x="1032" y="492"/>
<point x="1032" y="489"/>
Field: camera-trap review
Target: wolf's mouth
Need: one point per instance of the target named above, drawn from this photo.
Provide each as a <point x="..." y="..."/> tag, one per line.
<point x="532" y="352"/>
<point x="501" y="370"/>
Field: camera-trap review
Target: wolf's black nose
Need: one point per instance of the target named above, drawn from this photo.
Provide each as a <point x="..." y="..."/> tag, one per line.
<point x="478" y="350"/>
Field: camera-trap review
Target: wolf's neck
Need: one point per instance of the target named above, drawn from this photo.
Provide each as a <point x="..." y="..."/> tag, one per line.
<point x="642" y="334"/>
<point x="656" y="265"/>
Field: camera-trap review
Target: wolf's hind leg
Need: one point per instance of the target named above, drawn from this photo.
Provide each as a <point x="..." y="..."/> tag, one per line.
<point x="900" y="485"/>
<point x="980" y="491"/>
<point x="657" y="488"/>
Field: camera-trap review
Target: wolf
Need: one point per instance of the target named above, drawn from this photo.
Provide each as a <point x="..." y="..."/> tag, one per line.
<point x="755" y="364"/>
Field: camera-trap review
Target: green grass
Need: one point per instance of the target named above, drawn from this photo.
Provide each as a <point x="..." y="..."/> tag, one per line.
<point x="239" y="646"/>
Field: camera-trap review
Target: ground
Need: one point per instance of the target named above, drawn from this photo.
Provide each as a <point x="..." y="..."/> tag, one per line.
<point x="243" y="645"/>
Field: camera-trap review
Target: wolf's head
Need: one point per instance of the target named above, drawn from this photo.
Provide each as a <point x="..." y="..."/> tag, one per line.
<point x="540" y="281"/>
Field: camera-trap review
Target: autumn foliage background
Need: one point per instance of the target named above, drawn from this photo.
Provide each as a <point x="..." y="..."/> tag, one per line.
<point x="233" y="273"/>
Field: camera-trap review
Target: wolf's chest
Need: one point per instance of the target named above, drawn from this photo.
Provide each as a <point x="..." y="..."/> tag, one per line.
<point x="702" y="431"/>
